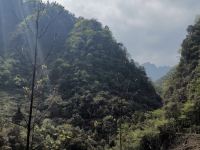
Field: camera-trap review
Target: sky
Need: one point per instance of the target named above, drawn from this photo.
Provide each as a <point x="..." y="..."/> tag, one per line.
<point x="151" y="30"/>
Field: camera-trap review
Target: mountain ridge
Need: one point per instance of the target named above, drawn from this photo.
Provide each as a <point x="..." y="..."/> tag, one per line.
<point x="155" y="72"/>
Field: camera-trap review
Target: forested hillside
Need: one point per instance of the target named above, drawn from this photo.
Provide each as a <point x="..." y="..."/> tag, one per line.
<point x="176" y="126"/>
<point x="85" y="84"/>
<point x="66" y="83"/>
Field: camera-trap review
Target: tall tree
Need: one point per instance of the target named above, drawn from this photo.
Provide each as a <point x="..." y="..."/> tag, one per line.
<point x="33" y="78"/>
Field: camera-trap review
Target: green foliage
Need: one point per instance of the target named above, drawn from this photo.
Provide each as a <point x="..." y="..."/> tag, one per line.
<point x="86" y="83"/>
<point x="182" y="92"/>
<point x="154" y="131"/>
<point x="6" y="66"/>
<point x="65" y="136"/>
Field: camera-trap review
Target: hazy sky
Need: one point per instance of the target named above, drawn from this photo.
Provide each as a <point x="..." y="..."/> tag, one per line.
<point x="152" y="30"/>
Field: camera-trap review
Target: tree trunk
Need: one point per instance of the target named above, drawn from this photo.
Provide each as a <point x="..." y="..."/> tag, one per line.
<point x="29" y="128"/>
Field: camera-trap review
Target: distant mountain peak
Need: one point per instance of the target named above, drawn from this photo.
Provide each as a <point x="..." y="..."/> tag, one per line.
<point x="155" y="72"/>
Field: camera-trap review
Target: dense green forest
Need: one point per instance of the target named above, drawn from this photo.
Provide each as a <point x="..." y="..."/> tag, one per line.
<point x="81" y="88"/>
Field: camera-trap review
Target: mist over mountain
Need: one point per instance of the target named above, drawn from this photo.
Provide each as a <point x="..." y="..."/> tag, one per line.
<point x="154" y="72"/>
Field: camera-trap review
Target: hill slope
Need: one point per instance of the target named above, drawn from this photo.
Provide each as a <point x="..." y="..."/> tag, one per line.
<point x="86" y="84"/>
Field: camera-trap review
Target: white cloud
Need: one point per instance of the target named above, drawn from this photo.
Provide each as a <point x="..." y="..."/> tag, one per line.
<point x="152" y="30"/>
